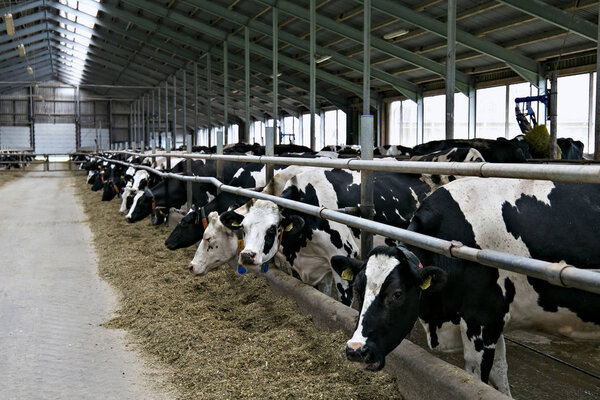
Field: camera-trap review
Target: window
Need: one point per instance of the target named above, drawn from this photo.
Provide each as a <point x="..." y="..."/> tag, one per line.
<point x="434" y="115"/>
<point x="491" y="109"/>
<point x="573" y="105"/>
<point x="306" y="130"/>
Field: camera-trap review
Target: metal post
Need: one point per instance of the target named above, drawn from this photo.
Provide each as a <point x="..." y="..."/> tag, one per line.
<point x="194" y="138"/>
<point x="174" y="134"/>
<point x="159" y="121"/>
<point x="450" y="68"/>
<point x="153" y="139"/>
<point x="597" y="125"/>
<point x="209" y="98"/>
<point x="366" y="135"/>
<point x="226" y="137"/>
<point x="130" y="135"/>
<point x="31" y="113"/>
<point x="552" y="150"/>
<point x="188" y="149"/>
<point x="590" y="111"/>
<point x="143" y="115"/>
<point x="137" y="125"/>
<point x="507" y="112"/>
<point x="270" y="142"/>
<point x="247" y="83"/>
<point x="110" y="123"/>
<point x="322" y="128"/>
<point x="167" y="138"/>
<point x="78" y="121"/>
<point x="219" y="151"/>
<point x="313" y="73"/>
<point x="420" y="118"/>
<point x="472" y="112"/>
<point x="188" y="171"/>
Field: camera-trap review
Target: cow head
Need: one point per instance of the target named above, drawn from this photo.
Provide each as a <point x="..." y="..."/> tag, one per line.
<point x="189" y="231"/>
<point x="98" y="182"/>
<point x="261" y="228"/>
<point x="127" y="199"/>
<point x="218" y="246"/>
<point x="142" y="206"/>
<point x="388" y="291"/>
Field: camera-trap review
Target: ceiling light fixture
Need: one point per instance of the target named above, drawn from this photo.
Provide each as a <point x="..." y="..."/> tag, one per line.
<point x="10" y="26"/>
<point x="395" y="34"/>
<point x="30" y="70"/>
<point x="22" y="51"/>
<point x="322" y="59"/>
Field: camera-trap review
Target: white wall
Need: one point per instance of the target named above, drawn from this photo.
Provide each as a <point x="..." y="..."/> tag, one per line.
<point x="14" y="137"/>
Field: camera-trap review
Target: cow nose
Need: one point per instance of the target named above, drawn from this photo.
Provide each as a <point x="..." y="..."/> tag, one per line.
<point x="248" y="256"/>
<point x="357" y="352"/>
<point x="192" y="268"/>
<point x="128" y="219"/>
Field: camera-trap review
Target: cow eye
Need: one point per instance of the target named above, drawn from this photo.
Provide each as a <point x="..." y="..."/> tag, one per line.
<point x="397" y="295"/>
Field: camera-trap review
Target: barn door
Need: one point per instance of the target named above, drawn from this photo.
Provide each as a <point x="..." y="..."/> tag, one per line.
<point x="55" y="138"/>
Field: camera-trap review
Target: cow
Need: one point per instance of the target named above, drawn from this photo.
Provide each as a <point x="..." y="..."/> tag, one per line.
<point x="470" y="305"/>
<point x="570" y="149"/>
<point x="308" y="248"/>
<point x="208" y="256"/>
<point x="497" y="151"/>
<point x="389" y="150"/>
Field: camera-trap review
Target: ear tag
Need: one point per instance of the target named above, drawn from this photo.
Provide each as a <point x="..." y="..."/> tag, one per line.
<point x="289" y="227"/>
<point x="241" y="270"/>
<point x="348" y="275"/>
<point x="204" y="220"/>
<point x="240" y="245"/>
<point x="264" y="268"/>
<point x="153" y="220"/>
<point x="426" y="283"/>
<point x="235" y="224"/>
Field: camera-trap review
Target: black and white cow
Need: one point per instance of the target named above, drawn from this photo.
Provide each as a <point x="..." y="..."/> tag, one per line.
<point x="570" y="149"/>
<point x="389" y="150"/>
<point x="470" y="305"/>
<point x="497" y="151"/>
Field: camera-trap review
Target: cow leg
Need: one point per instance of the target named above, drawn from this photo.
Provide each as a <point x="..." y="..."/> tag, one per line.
<point x="480" y="355"/>
<point x="499" y="372"/>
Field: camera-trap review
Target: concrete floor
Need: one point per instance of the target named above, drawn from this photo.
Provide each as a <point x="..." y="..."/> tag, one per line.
<point x="52" y="301"/>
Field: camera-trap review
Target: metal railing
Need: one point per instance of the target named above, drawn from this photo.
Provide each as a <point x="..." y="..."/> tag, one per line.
<point x="559" y="274"/>
<point x="553" y="172"/>
<point x="39" y="159"/>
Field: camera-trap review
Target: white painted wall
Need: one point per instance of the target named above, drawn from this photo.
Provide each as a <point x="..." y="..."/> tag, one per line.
<point x="14" y="137"/>
<point x="55" y="138"/>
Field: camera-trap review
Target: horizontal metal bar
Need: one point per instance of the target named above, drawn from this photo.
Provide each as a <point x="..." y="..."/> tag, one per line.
<point x="557" y="274"/>
<point x="554" y="172"/>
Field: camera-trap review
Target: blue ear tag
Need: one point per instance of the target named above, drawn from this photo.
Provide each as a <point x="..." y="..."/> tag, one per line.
<point x="265" y="267"/>
<point x="118" y="195"/>
<point x="241" y="270"/>
<point x="153" y="220"/>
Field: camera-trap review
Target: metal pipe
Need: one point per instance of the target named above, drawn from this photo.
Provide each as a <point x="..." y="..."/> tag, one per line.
<point x="174" y="134"/>
<point x="597" y="126"/>
<point x="209" y="97"/>
<point x="552" y="150"/>
<point x="196" y="125"/>
<point x="188" y="171"/>
<point x="131" y="124"/>
<point x="450" y="68"/>
<point x="313" y="74"/>
<point x="270" y="142"/>
<point x="167" y="138"/>
<point x="367" y="209"/>
<point x="153" y="138"/>
<point x="552" y="172"/>
<point x="559" y="274"/>
<point x="472" y="112"/>
<point x="188" y="149"/>
<point x="420" y="118"/>
<point x="247" y="83"/>
<point x="226" y="138"/>
<point x="159" y="121"/>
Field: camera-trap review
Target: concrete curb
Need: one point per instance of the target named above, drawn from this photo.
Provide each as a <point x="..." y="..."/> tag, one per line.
<point x="419" y="374"/>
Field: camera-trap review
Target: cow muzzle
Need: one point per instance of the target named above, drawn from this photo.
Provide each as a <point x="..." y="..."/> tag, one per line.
<point x="248" y="257"/>
<point x="360" y="353"/>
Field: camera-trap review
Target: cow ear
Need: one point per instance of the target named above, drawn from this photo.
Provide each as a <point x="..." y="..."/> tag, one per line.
<point x="231" y="220"/>
<point x="346" y="267"/>
<point x="292" y="224"/>
<point x="431" y="279"/>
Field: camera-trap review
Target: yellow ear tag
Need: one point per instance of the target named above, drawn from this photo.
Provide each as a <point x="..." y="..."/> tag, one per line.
<point x="426" y="283"/>
<point x="289" y="227"/>
<point x="347" y="274"/>
<point x="235" y="224"/>
<point x="240" y="245"/>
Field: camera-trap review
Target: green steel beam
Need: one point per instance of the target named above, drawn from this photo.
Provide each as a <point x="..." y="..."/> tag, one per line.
<point x="376" y="42"/>
<point x="216" y="33"/>
<point x="405" y="87"/>
<point x="25" y="6"/>
<point x="14" y="54"/>
<point x="523" y="65"/>
<point x="184" y="39"/>
<point x="22" y="34"/>
<point x="555" y="16"/>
